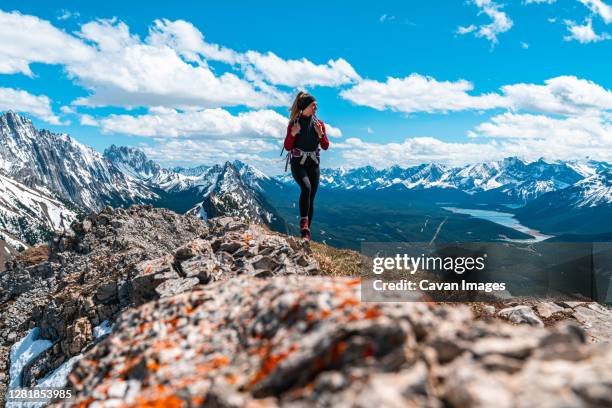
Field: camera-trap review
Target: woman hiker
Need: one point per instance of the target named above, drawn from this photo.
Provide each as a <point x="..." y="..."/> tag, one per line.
<point x="305" y="133"/>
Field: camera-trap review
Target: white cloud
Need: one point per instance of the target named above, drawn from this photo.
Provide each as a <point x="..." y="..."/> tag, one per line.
<point x="527" y="136"/>
<point x="524" y="45"/>
<point x="183" y="37"/>
<point x="167" y="68"/>
<point x="129" y="72"/>
<point x="565" y="95"/>
<point x="355" y="152"/>
<point x="88" y="120"/>
<point x="332" y="131"/>
<point x="540" y="1"/>
<point x="600" y="8"/>
<point x="298" y="73"/>
<point x="192" y="152"/>
<point x="584" y="33"/>
<point x="208" y="123"/>
<point x="466" y="30"/>
<point x="587" y="129"/>
<point x="22" y="101"/>
<point x="27" y="39"/>
<point x="417" y="93"/>
<point x="386" y="17"/>
<point x="67" y="14"/>
<point x="562" y="138"/>
<point x="500" y="22"/>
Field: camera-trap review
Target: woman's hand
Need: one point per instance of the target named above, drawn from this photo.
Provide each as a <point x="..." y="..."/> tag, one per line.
<point x="319" y="129"/>
<point x="295" y="129"/>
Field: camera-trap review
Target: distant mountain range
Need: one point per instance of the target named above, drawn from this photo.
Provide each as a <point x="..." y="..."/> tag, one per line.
<point x="511" y="180"/>
<point x="47" y="179"/>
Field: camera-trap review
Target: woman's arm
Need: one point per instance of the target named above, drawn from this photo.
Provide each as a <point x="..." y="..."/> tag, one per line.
<point x="324" y="141"/>
<point x="289" y="138"/>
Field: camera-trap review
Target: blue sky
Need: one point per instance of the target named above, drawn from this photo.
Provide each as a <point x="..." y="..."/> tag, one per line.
<point x="398" y="82"/>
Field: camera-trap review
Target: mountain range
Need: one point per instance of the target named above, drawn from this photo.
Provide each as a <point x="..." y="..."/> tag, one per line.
<point x="48" y="179"/>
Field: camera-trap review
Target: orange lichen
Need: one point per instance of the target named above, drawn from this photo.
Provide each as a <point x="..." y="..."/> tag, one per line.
<point x="160" y="345"/>
<point x="351" y="301"/>
<point x="271" y="362"/>
<point x="170" y="401"/>
<point x="372" y="313"/>
<point x="219" y="361"/>
<point x="85" y="404"/>
<point x="153" y="365"/>
<point x="231" y="379"/>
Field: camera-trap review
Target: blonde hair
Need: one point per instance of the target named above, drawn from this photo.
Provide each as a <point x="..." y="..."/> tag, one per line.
<point x="295" y="110"/>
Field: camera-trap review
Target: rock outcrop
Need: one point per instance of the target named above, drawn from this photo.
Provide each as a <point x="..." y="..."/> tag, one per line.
<point x="230" y="314"/>
<point x="305" y="341"/>
<point x="118" y="259"/>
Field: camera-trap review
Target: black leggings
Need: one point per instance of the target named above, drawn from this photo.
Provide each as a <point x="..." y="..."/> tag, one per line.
<point x="307" y="177"/>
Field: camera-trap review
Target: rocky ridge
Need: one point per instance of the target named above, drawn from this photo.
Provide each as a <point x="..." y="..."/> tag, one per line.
<point x="122" y="258"/>
<point x="230" y="314"/>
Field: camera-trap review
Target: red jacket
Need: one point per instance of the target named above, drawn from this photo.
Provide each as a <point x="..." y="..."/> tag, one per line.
<point x="290" y="139"/>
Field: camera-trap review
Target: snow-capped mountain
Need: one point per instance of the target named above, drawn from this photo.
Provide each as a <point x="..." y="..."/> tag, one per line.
<point x="192" y="171"/>
<point x="512" y="179"/>
<point x="585" y="207"/>
<point x="29" y="216"/>
<point x="60" y="165"/>
<point x="233" y="189"/>
<point x="132" y="162"/>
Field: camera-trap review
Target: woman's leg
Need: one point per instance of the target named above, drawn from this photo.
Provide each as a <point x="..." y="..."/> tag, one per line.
<point x="300" y="175"/>
<point x="314" y="173"/>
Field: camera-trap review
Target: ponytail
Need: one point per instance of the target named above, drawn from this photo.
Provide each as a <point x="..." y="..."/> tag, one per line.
<point x="295" y="107"/>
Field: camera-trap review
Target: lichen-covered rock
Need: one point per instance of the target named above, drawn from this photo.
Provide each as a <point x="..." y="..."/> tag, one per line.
<point x="230" y="314"/>
<point x="118" y="259"/>
<point x="309" y="341"/>
<point x="521" y="314"/>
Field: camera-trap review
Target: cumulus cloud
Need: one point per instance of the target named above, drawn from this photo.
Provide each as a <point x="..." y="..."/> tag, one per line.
<point x="129" y="72"/>
<point x="87" y="120"/>
<point x="584" y="33"/>
<point x="600" y="8"/>
<point x="500" y="22"/>
<point x="28" y="39"/>
<point x="525" y="135"/>
<point x="193" y="152"/>
<point x="412" y="151"/>
<point x="169" y="67"/>
<point x="211" y="123"/>
<point x="564" y="95"/>
<point x="568" y="118"/>
<point x="208" y="123"/>
<point x="185" y="38"/>
<point x="575" y="130"/>
<point x="22" y="101"/>
<point x="298" y="73"/>
<point x="418" y="93"/>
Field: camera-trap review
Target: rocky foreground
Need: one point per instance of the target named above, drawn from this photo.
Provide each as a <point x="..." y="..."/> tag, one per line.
<point x="231" y="315"/>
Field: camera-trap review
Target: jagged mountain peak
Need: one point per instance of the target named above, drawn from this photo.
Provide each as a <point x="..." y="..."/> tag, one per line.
<point x="132" y="161"/>
<point x="59" y="163"/>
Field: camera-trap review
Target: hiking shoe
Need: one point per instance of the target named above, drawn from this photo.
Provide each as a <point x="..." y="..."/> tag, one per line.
<point x="304" y="230"/>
